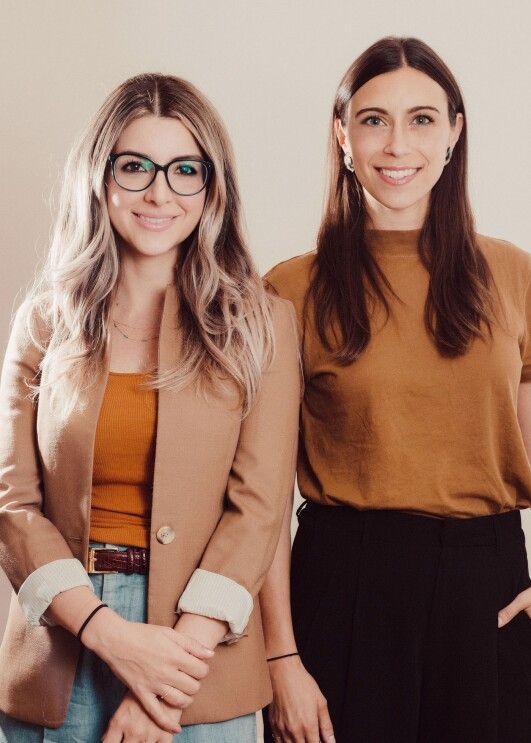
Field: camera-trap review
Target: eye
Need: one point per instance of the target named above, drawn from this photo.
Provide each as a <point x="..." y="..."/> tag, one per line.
<point x="185" y="168"/>
<point x="423" y="119"/>
<point x="373" y="121"/>
<point x="132" y="164"/>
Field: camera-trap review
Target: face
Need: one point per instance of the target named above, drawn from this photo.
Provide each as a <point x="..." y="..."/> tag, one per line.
<point x="154" y="222"/>
<point x="398" y="133"/>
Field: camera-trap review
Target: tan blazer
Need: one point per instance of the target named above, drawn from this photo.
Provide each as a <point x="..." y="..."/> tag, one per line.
<point x="220" y="484"/>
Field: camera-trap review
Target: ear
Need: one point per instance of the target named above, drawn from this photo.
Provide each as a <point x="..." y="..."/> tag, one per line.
<point x="456" y="130"/>
<point x="340" y="133"/>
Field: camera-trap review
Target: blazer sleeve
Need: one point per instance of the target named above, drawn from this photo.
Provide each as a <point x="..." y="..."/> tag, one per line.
<point x="30" y="545"/>
<point x="242" y="546"/>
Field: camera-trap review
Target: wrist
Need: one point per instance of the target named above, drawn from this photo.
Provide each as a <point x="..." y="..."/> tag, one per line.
<point x="274" y="658"/>
<point x="89" y="619"/>
<point x="209" y="632"/>
<point x="99" y="632"/>
<point x="278" y="669"/>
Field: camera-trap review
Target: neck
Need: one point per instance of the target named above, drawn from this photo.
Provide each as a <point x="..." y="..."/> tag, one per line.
<point x="140" y="293"/>
<point x="380" y="217"/>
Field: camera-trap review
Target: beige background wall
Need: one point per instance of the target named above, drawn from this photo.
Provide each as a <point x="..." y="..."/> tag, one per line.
<point x="271" y="67"/>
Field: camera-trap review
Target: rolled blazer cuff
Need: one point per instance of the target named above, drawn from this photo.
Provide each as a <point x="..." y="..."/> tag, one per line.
<point x="45" y="583"/>
<point x="218" y="597"/>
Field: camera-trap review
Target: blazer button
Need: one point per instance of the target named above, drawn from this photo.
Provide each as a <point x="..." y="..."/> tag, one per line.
<point x="165" y="535"/>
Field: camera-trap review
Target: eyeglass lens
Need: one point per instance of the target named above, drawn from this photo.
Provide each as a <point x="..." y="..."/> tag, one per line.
<point x="135" y="173"/>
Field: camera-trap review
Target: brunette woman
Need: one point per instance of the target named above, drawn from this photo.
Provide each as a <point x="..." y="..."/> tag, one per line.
<point x="415" y="434"/>
<point x="148" y="418"/>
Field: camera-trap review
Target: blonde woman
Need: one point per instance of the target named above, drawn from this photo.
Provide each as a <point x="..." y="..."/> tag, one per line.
<point x="149" y="405"/>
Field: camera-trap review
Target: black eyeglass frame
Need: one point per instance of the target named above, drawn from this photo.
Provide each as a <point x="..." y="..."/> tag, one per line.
<point x="208" y="165"/>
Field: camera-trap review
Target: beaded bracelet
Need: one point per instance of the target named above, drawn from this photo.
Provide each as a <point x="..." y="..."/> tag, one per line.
<point x="87" y="620"/>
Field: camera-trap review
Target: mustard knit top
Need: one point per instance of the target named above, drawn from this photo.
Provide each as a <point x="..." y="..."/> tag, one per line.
<point x="403" y="427"/>
<point x="124" y="456"/>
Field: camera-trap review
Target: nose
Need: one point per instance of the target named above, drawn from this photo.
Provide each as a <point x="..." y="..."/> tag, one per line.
<point x="158" y="192"/>
<point x="397" y="142"/>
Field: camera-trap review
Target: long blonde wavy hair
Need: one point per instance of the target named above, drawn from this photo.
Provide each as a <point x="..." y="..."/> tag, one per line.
<point x="224" y="311"/>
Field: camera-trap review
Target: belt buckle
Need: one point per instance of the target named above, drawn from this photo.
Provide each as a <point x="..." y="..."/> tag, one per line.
<point x="92" y="561"/>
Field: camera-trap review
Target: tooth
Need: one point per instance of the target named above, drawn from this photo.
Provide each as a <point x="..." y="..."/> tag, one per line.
<point x="398" y="174"/>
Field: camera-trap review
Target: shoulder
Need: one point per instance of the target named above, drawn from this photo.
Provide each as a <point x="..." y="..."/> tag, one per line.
<point x="31" y="322"/>
<point x="502" y="254"/>
<point x="291" y="278"/>
<point x="284" y="320"/>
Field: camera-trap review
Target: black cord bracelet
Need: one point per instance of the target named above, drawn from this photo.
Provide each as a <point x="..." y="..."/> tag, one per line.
<point x="279" y="657"/>
<point x="87" y="620"/>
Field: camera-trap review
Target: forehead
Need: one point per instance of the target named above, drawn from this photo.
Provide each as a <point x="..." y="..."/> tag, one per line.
<point x="160" y="138"/>
<point x="399" y="90"/>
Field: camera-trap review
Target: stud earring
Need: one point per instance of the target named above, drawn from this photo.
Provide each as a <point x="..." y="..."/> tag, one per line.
<point x="349" y="163"/>
<point x="448" y="156"/>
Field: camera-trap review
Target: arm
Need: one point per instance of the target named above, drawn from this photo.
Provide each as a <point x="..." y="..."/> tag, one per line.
<point x="523" y="601"/>
<point x="299" y="710"/>
<point x="242" y="546"/>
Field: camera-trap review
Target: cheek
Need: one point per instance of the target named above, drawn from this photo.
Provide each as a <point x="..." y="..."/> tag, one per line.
<point x="119" y="203"/>
<point x="363" y="148"/>
<point x="196" y="208"/>
<point x="115" y="196"/>
<point x="115" y="207"/>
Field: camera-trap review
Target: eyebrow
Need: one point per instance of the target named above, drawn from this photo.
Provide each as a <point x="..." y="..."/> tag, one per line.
<point x="146" y="157"/>
<point x="376" y="109"/>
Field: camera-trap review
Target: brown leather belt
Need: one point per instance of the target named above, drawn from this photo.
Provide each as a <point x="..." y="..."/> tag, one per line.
<point x="107" y="560"/>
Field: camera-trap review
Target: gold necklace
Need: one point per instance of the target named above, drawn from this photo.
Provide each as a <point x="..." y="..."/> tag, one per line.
<point x="134" y="327"/>
<point x="139" y="340"/>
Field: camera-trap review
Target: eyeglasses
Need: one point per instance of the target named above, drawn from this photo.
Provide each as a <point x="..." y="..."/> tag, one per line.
<point x="185" y="176"/>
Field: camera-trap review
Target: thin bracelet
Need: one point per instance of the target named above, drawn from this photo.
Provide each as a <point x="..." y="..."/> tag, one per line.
<point x="87" y="620"/>
<point x="279" y="657"/>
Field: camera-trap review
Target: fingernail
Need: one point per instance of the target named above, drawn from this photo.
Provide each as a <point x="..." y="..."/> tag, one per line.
<point x="500" y="621"/>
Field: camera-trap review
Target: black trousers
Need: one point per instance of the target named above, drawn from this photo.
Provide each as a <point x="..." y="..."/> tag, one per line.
<point x="395" y="616"/>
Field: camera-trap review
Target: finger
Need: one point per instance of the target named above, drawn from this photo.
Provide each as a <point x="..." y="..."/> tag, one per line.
<point x="295" y="735"/>
<point x="175" y="698"/>
<point x="185" y="683"/>
<point x="521" y="602"/>
<point x="325" y="724"/>
<point x="193" y="646"/>
<point x="111" y="736"/>
<point x="155" y="709"/>
<point x="189" y="664"/>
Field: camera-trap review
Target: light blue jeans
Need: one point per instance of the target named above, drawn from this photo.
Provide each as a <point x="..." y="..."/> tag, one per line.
<point x="97" y="692"/>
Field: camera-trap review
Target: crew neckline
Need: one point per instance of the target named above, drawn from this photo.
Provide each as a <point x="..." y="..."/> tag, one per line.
<point x="397" y="243"/>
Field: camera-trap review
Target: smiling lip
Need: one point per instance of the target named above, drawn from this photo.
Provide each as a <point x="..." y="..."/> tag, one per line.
<point x="397" y="176"/>
<point x="152" y="222"/>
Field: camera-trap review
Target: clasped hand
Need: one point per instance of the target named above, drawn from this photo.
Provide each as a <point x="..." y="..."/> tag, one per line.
<point x="153" y="662"/>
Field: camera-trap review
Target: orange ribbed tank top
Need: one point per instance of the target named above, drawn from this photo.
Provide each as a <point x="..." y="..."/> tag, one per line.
<point x="124" y="457"/>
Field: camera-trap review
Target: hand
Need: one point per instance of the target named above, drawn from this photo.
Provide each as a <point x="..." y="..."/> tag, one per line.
<point x="521" y="603"/>
<point x="299" y="712"/>
<point x="131" y="724"/>
<point x="149" y="660"/>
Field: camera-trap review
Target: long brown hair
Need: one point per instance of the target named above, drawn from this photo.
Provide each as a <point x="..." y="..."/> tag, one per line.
<point x="224" y="310"/>
<point x="458" y="305"/>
